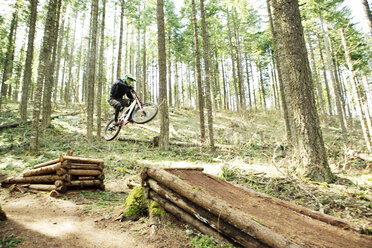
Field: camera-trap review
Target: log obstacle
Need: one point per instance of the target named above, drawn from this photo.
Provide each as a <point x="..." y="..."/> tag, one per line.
<point x="66" y="172"/>
<point x="220" y="209"/>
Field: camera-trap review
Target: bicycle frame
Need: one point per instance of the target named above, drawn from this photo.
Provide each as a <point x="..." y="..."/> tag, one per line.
<point x="128" y="112"/>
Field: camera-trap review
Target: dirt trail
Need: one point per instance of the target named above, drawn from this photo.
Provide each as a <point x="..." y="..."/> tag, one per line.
<point x="42" y="221"/>
<point x="301" y="229"/>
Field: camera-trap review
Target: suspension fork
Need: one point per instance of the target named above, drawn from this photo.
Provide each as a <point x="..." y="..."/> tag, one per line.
<point x="138" y="102"/>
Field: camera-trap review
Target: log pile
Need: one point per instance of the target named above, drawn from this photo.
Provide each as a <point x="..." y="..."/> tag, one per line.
<point x="66" y="172"/>
<point x="240" y="215"/>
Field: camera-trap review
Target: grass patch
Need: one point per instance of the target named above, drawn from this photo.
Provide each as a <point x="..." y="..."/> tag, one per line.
<point x="10" y="242"/>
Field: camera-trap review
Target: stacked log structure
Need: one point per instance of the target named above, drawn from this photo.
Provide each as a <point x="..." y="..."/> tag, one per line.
<point x="66" y="172"/>
<point x="240" y="215"/>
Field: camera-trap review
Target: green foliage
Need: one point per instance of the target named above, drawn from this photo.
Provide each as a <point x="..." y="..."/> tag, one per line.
<point x="136" y="203"/>
<point x="156" y="210"/>
<point x="205" y="241"/>
<point x="10" y="242"/>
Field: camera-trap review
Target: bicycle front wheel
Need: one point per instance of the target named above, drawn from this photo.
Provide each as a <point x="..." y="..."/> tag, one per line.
<point x="111" y="130"/>
<point x="149" y="112"/>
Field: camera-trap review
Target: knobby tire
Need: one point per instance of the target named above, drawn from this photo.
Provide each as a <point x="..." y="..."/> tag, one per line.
<point x="111" y="131"/>
<point x="150" y="109"/>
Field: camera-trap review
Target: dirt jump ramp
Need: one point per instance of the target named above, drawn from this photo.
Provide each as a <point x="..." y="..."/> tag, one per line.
<point x="248" y="218"/>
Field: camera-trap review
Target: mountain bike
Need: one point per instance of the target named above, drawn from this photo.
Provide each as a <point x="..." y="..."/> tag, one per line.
<point x="137" y="112"/>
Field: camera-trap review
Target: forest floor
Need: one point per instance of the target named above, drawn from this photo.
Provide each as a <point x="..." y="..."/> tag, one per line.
<point x="255" y="156"/>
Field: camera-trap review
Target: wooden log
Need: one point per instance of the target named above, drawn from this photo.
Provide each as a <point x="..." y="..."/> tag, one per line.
<point x="60" y="186"/>
<point x="84" y="183"/>
<point x="84" y="172"/>
<point x="84" y="166"/>
<point x="204" y="216"/>
<point x="81" y="160"/>
<point x="179" y="213"/>
<point x="35" y="179"/>
<point x="61" y="171"/>
<point x="86" y="178"/>
<point x="44" y="187"/>
<point x="43" y="170"/>
<point x="220" y="208"/>
<point x="46" y="163"/>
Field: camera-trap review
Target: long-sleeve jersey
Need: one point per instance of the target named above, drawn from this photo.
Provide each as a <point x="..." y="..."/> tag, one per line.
<point x="119" y="89"/>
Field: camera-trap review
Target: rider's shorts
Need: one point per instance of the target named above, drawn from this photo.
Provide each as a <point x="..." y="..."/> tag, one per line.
<point x="118" y="103"/>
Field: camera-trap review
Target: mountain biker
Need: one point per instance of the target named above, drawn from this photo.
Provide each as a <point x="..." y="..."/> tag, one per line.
<point x="120" y="88"/>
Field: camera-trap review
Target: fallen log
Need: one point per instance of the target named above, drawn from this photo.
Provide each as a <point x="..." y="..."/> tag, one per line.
<point x="84" y="172"/>
<point x="35" y="179"/>
<point x="81" y="159"/>
<point x="204" y="216"/>
<point x="220" y="208"/>
<point x="43" y="170"/>
<point x="46" y="163"/>
<point x="85" y="167"/>
<point x="44" y="187"/>
<point x="84" y="183"/>
<point x="363" y="156"/>
<point x="176" y="211"/>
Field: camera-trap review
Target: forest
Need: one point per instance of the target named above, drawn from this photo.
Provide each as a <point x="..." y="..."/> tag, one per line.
<point x="273" y="95"/>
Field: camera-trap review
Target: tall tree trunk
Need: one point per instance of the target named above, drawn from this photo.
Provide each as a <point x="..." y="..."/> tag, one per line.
<point x="170" y="98"/>
<point x="282" y="75"/>
<point x="325" y="76"/>
<point x="263" y="93"/>
<point x="225" y="97"/>
<point x="81" y="50"/>
<point x="163" y="102"/>
<point x="18" y="72"/>
<point x="101" y="76"/>
<point x="49" y="78"/>
<point x="368" y="14"/>
<point x="358" y="100"/>
<point x="69" y="84"/>
<point x="44" y="58"/>
<point x="176" y="79"/>
<point x="59" y="56"/>
<point x="310" y="141"/>
<point x="113" y="48"/>
<point x="198" y="74"/>
<point x="318" y="86"/>
<point x="233" y="59"/>
<point x="239" y="63"/>
<point x="144" y="67"/>
<point x="334" y="83"/>
<point x="207" y="76"/>
<point x="118" y="68"/>
<point x="275" y="81"/>
<point x="138" y="61"/>
<point x="248" y="82"/>
<point x="92" y="70"/>
<point x="9" y="55"/>
<point x="26" y="83"/>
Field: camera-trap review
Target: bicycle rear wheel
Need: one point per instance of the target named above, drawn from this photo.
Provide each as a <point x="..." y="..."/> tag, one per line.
<point x="111" y="130"/>
<point x="149" y="112"/>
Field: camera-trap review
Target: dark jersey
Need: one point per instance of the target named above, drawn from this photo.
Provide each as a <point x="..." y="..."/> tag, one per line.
<point x="119" y="89"/>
